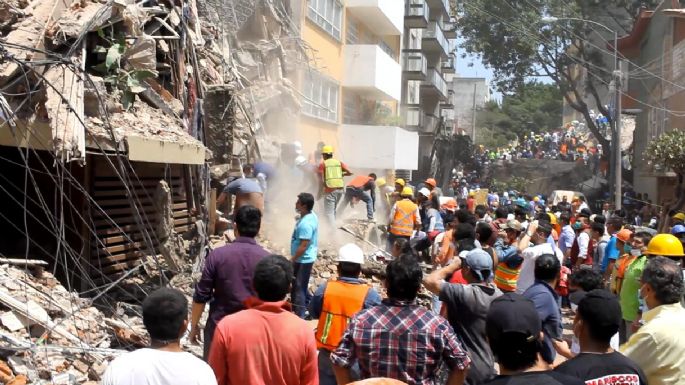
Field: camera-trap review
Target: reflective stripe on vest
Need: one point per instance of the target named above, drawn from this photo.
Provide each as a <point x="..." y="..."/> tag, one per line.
<point x="506" y="277"/>
<point x="404" y="220"/>
<point x="333" y="173"/>
<point x="341" y="300"/>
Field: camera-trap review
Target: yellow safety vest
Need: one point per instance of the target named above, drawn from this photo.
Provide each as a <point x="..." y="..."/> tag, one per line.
<point x="333" y="173"/>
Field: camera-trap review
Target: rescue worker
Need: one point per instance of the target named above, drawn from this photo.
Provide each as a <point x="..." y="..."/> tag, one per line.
<point x="335" y="302"/>
<point x="395" y="195"/>
<point x="432" y="186"/>
<point x="332" y="172"/>
<point x="404" y="217"/>
<point x="509" y="263"/>
<point x="363" y="188"/>
<point x="246" y="189"/>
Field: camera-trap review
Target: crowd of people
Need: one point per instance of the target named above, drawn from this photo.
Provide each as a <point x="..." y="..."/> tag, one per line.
<point x="502" y="275"/>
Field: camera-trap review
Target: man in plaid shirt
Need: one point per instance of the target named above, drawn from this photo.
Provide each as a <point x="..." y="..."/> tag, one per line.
<point x="400" y="339"/>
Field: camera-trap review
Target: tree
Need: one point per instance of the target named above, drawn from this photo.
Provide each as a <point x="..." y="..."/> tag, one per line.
<point x="513" y="40"/>
<point x="668" y="153"/>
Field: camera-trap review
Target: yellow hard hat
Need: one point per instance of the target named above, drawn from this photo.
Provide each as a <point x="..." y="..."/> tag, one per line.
<point x="665" y="244"/>
<point x="472" y="194"/>
<point x="536" y="199"/>
<point x="400" y="182"/>
<point x="407" y="192"/>
<point x="552" y="219"/>
<point x="679" y="216"/>
<point x="381" y="182"/>
<point x="327" y="150"/>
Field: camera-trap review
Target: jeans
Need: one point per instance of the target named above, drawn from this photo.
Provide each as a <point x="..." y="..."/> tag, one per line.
<point x="300" y="293"/>
<point x="326" y="373"/>
<point x="330" y="203"/>
<point x="365" y="196"/>
<point x="208" y="334"/>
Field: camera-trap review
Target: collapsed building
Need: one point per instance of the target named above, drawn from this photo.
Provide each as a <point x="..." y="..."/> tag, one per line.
<point x="112" y="114"/>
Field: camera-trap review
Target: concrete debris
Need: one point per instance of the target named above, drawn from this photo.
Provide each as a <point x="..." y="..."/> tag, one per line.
<point x="170" y="244"/>
<point x="82" y="17"/>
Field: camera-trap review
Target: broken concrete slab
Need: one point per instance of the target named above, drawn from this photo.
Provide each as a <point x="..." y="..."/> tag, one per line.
<point x="82" y="17"/>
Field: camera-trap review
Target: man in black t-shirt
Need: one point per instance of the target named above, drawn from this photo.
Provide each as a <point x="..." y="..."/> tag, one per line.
<point x="515" y="335"/>
<point x="596" y="321"/>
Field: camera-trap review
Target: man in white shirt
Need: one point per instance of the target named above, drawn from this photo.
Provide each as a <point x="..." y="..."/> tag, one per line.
<point x="537" y="234"/>
<point x="165" y="315"/>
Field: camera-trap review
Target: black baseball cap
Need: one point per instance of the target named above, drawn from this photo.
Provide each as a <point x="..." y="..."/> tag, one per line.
<point x="601" y="308"/>
<point x="512" y="313"/>
<point x="585" y="213"/>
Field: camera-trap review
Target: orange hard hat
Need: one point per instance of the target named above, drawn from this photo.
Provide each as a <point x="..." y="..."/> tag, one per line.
<point x="624" y="235"/>
<point x="431" y="182"/>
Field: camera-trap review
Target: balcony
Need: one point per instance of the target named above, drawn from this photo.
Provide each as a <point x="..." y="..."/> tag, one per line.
<point x="439" y="8"/>
<point x="417" y="120"/>
<point x="416" y="14"/>
<point x="430" y="124"/>
<point x="434" y="84"/>
<point x="449" y="65"/>
<point x="382" y="17"/>
<point x="450" y="29"/>
<point x="433" y="40"/>
<point x="378" y="147"/>
<point x="414" y="65"/>
<point x="372" y="72"/>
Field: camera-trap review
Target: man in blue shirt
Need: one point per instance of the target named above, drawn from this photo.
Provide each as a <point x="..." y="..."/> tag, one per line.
<point x="547" y="269"/>
<point x="567" y="235"/>
<point x="304" y="247"/>
<point x="611" y="252"/>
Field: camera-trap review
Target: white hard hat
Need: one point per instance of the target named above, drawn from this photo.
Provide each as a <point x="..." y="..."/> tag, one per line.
<point x="351" y="253"/>
<point x="298" y="146"/>
<point x="425" y="192"/>
<point x="300" y="160"/>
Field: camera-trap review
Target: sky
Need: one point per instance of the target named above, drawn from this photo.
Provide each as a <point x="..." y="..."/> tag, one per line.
<point x="472" y="66"/>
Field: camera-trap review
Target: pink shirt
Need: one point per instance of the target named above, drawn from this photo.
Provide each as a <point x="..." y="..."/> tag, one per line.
<point x="265" y="344"/>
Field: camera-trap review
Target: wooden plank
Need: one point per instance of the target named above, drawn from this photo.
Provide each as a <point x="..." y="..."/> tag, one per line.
<point x="121" y="266"/>
<point x="23" y="262"/>
<point x="139" y="192"/>
<point x="114" y="259"/>
<point x="212" y="213"/>
<point x="99" y="183"/>
<point x="110" y="250"/>
<point x="146" y="216"/>
<point x="179" y="203"/>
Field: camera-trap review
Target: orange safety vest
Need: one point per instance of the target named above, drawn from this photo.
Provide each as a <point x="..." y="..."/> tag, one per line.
<point x="405" y="218"/>
<point x="506" y="277"/>
<point x="341" y="300"/>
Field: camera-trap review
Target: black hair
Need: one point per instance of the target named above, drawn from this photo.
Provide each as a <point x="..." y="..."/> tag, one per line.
<point x="463" y="231"/>
<point x="349" y="269"/>
<point x="645" y="236"/>
<point x="483" y="232"/>
<point x="481" y="210"/>
<point x="598" y="331"/>
<point x="248" y="169"/>
<point x="326" y="156"/>
<point x="164" y="311"/>
<point x="307" y="200"/>
<point x="273" y="275"/>
<point x="515" y="351"/>
<point x="542" y="217"/>
<point x="666" y="279"/>
<point x="615" y="223"/>
<point x="248" y="221"/>
<point x="586" y="279"/>
<point x="598" y="227"/>
<point x="565" y="217"/>
<point x="373" y="175"/>
<point x="600" y="219"/>
<point x="501" y="212"/>
<point x="547" y="267"/>
<point x="403" y="244"/>
<point x="545" y="228"/>
<point x="403" y="277"/>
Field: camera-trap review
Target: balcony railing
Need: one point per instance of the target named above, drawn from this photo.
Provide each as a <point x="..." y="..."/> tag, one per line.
<point x="434" y="79"/>
<point x="416" y="8"/>
<point x="413" y="117"/>
<point x="450" y="29"/>
<point x="430" y="123"/>
<point x="414" y="62"/>
<point x="449" y="65"/>
<point x="435" y="32"/>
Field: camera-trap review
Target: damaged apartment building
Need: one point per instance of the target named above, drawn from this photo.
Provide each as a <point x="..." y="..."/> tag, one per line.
<point x="112" y="113"/>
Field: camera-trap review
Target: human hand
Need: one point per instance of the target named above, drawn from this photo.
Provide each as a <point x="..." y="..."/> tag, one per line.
<point x="194" y="335"/>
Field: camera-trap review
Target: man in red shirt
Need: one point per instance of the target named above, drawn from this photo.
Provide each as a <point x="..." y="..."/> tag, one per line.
<point x="267" y="343"/>
<point x="362" y="188"/>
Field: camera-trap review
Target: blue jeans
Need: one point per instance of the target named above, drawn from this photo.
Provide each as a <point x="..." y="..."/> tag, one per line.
<point x="364" y="196"/>
<point x="330" y="203"/>
<point x="300" y="294"/>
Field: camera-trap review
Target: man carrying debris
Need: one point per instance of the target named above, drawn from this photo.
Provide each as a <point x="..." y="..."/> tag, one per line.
<point x="165" y="315"/>
<point x="362" y="188"/>
<point x="404" y="217"/>
<point x="266" y="343"/>
<point x="332" y="172"/>
<point x="247" y="191"/>
<point x="227" y="276"/>
<point x="335" y="302"/>
<point x="304" y="247"/>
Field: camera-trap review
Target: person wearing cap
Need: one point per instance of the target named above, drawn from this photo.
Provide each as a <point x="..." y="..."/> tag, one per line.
<point x="595" y="323"/>
<point x="362" y="187"/>
<point x="546" y="300"/>
<point x="396" y="195"/>
<point x="536" y="234"/>
<point x="467" y="307"/>
<point x="404" y="217"/>
<point x="678" y="231"/>
<point x="399" y="338"/>
<point x="624" y="260"/>
<point x="332" y="171"/>
<point x="309" y="177"/>
<point x="432" y="186"/>
<point x="509" y="259"/>
<point x="630" y="306"/>
<point x="658" y="346"/>
<point x="514" y="332"/>
<point x="471" y="202"/>
<point x="677" y="219"/>
<point x="335" y="302"/>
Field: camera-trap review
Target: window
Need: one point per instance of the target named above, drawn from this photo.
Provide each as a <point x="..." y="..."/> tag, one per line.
<point x="320" y="97"/>
<point x="351" y="34"/>
<point x="327" y="14"/>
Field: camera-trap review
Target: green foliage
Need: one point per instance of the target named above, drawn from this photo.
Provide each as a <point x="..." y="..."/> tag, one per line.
<point x="129" y="82"/>
<point x="515" y="183"/>
<point x="667" y="152"/>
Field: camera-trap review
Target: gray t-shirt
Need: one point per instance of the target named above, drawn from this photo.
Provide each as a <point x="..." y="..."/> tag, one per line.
<point x="243" y="186"/>
<point x="467" y="308"/>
